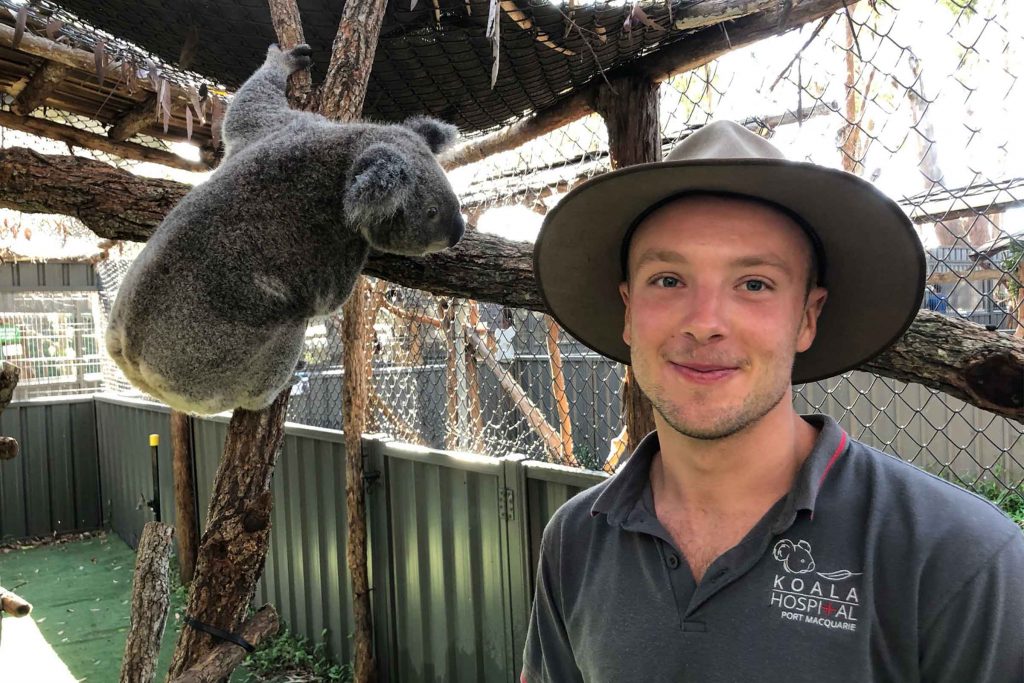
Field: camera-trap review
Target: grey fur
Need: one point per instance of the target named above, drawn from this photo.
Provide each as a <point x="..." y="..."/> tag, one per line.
<point x="212" y="314"/>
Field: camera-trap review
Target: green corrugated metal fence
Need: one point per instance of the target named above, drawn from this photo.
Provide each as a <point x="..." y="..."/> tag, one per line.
<point x="452" y="537"/>
<point x="53" y="484"/>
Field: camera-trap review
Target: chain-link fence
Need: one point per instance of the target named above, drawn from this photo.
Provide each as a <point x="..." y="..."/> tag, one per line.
<point x="919" y="97"/>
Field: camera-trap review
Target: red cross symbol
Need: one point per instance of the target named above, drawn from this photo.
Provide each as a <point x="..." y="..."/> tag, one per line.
<point x="828" y="609"/>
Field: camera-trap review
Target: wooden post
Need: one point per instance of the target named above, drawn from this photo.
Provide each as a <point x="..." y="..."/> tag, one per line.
<point x="151" y="598"/>
<point x="353" y="395"/>
<point x="223" y="659"/>
<point x="534" y="417"/>
<point x="451" y="374"/>
<point x="186" y="507"/>
<point x="558" y="387"/>
<point x="630" y="110"/>
<point x="9" y="375"/>
<point x="234" y="545"/>
<point x="14" y="605"/>
<point x="476" y="415"/>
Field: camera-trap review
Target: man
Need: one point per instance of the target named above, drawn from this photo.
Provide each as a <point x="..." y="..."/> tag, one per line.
<point x="741" y="541"/>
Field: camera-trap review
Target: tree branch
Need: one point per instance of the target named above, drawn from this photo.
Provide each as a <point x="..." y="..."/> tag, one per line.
<point x="117" y="205"/>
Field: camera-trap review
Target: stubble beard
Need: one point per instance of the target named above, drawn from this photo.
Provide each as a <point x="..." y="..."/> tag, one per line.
<point x="754" y="407"/>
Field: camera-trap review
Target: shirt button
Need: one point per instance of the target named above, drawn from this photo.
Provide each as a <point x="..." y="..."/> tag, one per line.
<point x="673" y="562"/>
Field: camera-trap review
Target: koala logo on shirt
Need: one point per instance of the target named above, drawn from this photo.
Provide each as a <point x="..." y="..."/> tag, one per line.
<point x="795" y="557"/>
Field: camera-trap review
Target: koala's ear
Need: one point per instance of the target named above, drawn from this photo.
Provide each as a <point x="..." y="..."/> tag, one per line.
<point x="378" y="184"/>
<point x="783" y="549"/>
<point x="805" y="545"/>
<point x="438" y="134"/>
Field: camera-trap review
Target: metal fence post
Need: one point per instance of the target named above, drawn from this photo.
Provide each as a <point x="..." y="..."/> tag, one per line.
<point x="515" y="548"/>
<point x="380" y="564"/>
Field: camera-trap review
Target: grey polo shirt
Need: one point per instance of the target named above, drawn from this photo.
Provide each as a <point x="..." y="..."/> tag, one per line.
<point x="869" y="569"/>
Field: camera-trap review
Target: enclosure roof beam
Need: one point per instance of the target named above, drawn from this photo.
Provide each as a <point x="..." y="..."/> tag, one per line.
<point x="43" y="83"/>
<point x="681" y="56"/>
<point x="100" y="143"/>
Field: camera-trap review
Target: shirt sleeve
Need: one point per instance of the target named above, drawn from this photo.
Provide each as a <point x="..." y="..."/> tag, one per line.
<point x="548" y="657"/>
<point x="979" y="634"/>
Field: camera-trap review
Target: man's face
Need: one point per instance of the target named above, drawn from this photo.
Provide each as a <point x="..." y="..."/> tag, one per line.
<point x="717" y="306"/>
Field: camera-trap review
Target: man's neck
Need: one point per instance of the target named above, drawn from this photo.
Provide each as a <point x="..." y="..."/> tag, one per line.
<point x="744" y="473"/>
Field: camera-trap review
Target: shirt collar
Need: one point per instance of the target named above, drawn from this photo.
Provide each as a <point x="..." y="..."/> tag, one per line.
<point x="623" y="491"/>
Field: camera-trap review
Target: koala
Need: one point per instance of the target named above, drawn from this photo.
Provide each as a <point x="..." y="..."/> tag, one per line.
<point x="212" y="314"/>
<point x="795" y="557"/>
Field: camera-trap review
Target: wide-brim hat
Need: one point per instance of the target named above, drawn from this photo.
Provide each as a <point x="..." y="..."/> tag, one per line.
<point x="873" y="261"/>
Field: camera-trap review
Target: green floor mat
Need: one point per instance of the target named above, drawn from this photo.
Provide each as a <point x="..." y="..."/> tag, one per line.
<point x="81" y="597"/>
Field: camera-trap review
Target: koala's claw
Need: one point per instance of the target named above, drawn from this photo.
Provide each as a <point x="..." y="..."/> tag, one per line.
<point x="299" y="57"/>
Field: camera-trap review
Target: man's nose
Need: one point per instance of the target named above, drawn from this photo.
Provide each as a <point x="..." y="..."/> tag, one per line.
<point x="705" y="317"/>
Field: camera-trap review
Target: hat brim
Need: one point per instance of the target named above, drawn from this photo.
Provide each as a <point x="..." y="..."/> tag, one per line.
<point x="875" y="260"/>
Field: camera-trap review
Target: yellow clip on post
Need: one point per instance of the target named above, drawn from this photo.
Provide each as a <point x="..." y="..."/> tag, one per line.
<point x="154" y="439"/>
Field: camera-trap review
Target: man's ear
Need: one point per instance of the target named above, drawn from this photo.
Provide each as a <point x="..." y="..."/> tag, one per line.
<point x="438" y="134"/>
<point x="624" y="293"/>
<point x="809" y="320"/>
<point x="378" y="184"/>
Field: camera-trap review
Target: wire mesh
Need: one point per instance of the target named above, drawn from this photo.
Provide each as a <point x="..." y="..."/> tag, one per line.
<point x="919" y="98"/>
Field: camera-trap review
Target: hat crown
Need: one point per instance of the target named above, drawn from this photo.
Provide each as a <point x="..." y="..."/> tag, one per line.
<point x="724" y="140"/>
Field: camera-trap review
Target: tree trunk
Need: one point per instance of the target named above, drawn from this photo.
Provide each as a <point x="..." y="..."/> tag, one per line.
<point x="234" y="545"/>
<point x="151" y="598"/>
<point x="9" y="375"/>
<point x="630" y="110"/>
<point x="222" y="660"/>
<point x="186" y="506"/>
<point x="353" y="406"/>
<point x="481" y="267"/>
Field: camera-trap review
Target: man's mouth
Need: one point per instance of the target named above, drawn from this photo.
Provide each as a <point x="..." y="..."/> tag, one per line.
<point x="703" y="373"/>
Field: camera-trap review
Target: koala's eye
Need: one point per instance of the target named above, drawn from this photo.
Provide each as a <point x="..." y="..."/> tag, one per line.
<point x="432" y="212"/>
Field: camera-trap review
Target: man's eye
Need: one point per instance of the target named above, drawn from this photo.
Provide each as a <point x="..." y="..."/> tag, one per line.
<point x="755" y="285"/>
<point x="667" y="281"/>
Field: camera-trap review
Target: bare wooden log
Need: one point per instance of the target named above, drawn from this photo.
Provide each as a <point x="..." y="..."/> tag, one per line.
<point x="355" y="44"/>
<point x="135" y="120"/>
<point x="696" y="50"/>
<point x="219" y="662"/>
<point x="42" y="84"/>
<point x="13" y="604"/>
<point x="9" y="376"/>
<point x="117" y="205"/>
<point x="151" y="598"/>
<point x="288" y="27"/>
<point x="353" y="404"/>
<point x="634" y="137"/>
<point x="185" y="499"/>
<point x="967" y="361"/>
<point x="9" y="448"/>
<point x="83" y="138"/>
<point x="234" y="545"/>
<point x="558" y="391"/>
<point x="534" y="417"/>
<point x="341" y="99"/>
<point x="951" y="276"/>
<point x="113" y="203"/>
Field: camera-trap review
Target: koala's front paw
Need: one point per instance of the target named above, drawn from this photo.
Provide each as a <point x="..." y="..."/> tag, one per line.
<point x="298" y="58"/>
<point x="293" y="60"/>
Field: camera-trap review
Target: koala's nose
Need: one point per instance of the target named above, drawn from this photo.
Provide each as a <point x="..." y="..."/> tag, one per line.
<point x="458" y="230"/>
